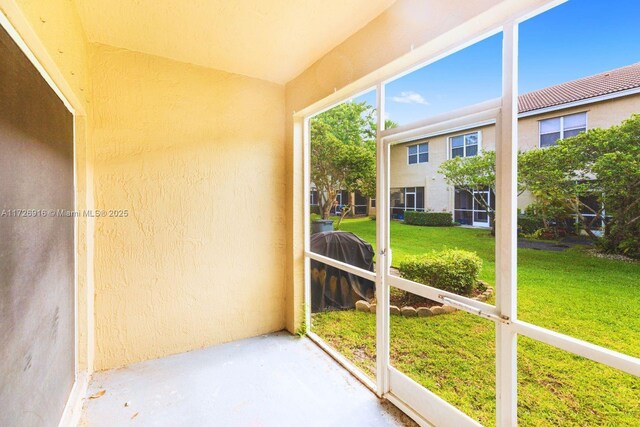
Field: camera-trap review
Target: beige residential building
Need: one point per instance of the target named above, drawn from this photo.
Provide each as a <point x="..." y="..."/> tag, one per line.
<point x="545" y="116"/>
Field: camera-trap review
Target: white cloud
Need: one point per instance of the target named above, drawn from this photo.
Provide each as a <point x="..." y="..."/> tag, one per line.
<point x="410" y="97"/>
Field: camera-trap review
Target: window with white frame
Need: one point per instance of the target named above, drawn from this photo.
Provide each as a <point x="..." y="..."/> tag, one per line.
<point x="464" y="145"/>
<point x="551" y="130"/>
<point x="406" y="199"/>
<point x="418" y="153"/>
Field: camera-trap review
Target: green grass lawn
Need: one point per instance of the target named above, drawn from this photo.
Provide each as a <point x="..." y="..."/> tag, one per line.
<point x="571" y="292"/>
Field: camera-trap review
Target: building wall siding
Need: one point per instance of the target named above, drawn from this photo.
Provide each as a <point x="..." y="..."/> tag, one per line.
<point x="196" y="158"/>
<point x="439" y="195"/>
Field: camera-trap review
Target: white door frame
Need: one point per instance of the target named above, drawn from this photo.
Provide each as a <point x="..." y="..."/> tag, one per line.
<point x="398" y="387"/>
<point x="476" y="208"/>
<point x="27" y="41"/>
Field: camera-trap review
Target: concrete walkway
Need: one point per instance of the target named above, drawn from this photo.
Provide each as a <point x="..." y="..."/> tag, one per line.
<point x="553" y="246"/>
<point x="271" y="380"/>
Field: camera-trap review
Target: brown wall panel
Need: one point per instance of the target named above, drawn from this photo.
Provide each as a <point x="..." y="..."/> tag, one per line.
<point x="36" y="253"/>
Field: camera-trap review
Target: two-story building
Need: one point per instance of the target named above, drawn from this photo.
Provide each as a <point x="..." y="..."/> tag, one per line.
<point x="545" y="116"/>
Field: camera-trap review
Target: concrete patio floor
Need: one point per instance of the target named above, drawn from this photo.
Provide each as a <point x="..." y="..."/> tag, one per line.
<point x="271" y="380"/>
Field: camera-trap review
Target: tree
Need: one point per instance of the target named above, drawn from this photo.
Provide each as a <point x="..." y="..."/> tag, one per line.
<point x="593" y="177"/>
<point x="476" y="175"/>
<point x="559" y="186"/>
<point x="617" y="167"/>
<point x="603" y="164"/>
<point x="540" y="171"/>
<point x="343" y="152"/>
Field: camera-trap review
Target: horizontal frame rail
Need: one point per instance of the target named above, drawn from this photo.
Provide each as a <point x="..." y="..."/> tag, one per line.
<point x="426" y="403"/>
<point x="360" y="272"/>
<point x="346" y="363"/>
<point x="464" y="116"/>
<point x="439" y="295"/>
<point x="470" y="309"/>
<point x="623" y="362"/>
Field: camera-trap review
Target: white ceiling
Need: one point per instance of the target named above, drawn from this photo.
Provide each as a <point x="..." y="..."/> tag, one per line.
<point x="273" y="40"/>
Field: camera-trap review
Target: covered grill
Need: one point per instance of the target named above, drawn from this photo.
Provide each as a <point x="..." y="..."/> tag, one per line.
<point x="335" y="289"/>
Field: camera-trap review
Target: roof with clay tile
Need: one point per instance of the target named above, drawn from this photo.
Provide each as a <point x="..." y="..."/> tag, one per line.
<point x="605" y="83"/>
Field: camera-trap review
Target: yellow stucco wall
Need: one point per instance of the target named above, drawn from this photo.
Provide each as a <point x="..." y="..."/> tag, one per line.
<point x="196" y="157"/>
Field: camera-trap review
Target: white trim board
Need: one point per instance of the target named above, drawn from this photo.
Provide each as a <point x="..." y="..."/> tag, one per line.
<point x="457" y="129"/>
<point x="73" y="408"/>
<point x="13" y="33"/>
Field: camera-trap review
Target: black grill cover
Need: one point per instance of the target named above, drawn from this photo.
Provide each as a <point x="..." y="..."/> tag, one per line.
<point x="332" y="288"/>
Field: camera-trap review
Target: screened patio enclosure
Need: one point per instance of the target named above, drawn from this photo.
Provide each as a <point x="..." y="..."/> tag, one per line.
<point x="425" y="405"/>
<point x="178" y="291"/>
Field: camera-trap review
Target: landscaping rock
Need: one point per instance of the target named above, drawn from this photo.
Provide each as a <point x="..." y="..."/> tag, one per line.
<point x="394" y="310"/>
<point x="424" y="312"/>
<point x="449" y="309"/>
<point x="437" y="310"/>
<point x="372" y="308"/>
<point x="409" y="312"/>
<point x="482" y="297"/>
<point x="362" y="306"/>
<point x="322" y="276"/>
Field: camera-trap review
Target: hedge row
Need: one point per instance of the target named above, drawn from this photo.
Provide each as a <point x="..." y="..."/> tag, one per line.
<point x="529" y="224"/>
<point x="452" y="270"/>
<point x="439" y="219"/>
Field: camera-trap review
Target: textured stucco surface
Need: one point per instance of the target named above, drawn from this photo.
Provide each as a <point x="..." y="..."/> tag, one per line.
<point x="196" y="157"/>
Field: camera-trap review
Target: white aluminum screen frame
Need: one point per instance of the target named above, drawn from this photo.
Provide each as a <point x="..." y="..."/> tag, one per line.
<point x="420" y="403"/>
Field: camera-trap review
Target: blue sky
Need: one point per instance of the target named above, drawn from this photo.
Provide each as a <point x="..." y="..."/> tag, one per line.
<point x="576" y="39"/>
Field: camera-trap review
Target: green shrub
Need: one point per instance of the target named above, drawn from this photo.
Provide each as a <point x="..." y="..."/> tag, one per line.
<point x="529" y="224"/>
<point x="452" y="270"/>
<point x="432" y="219"/>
